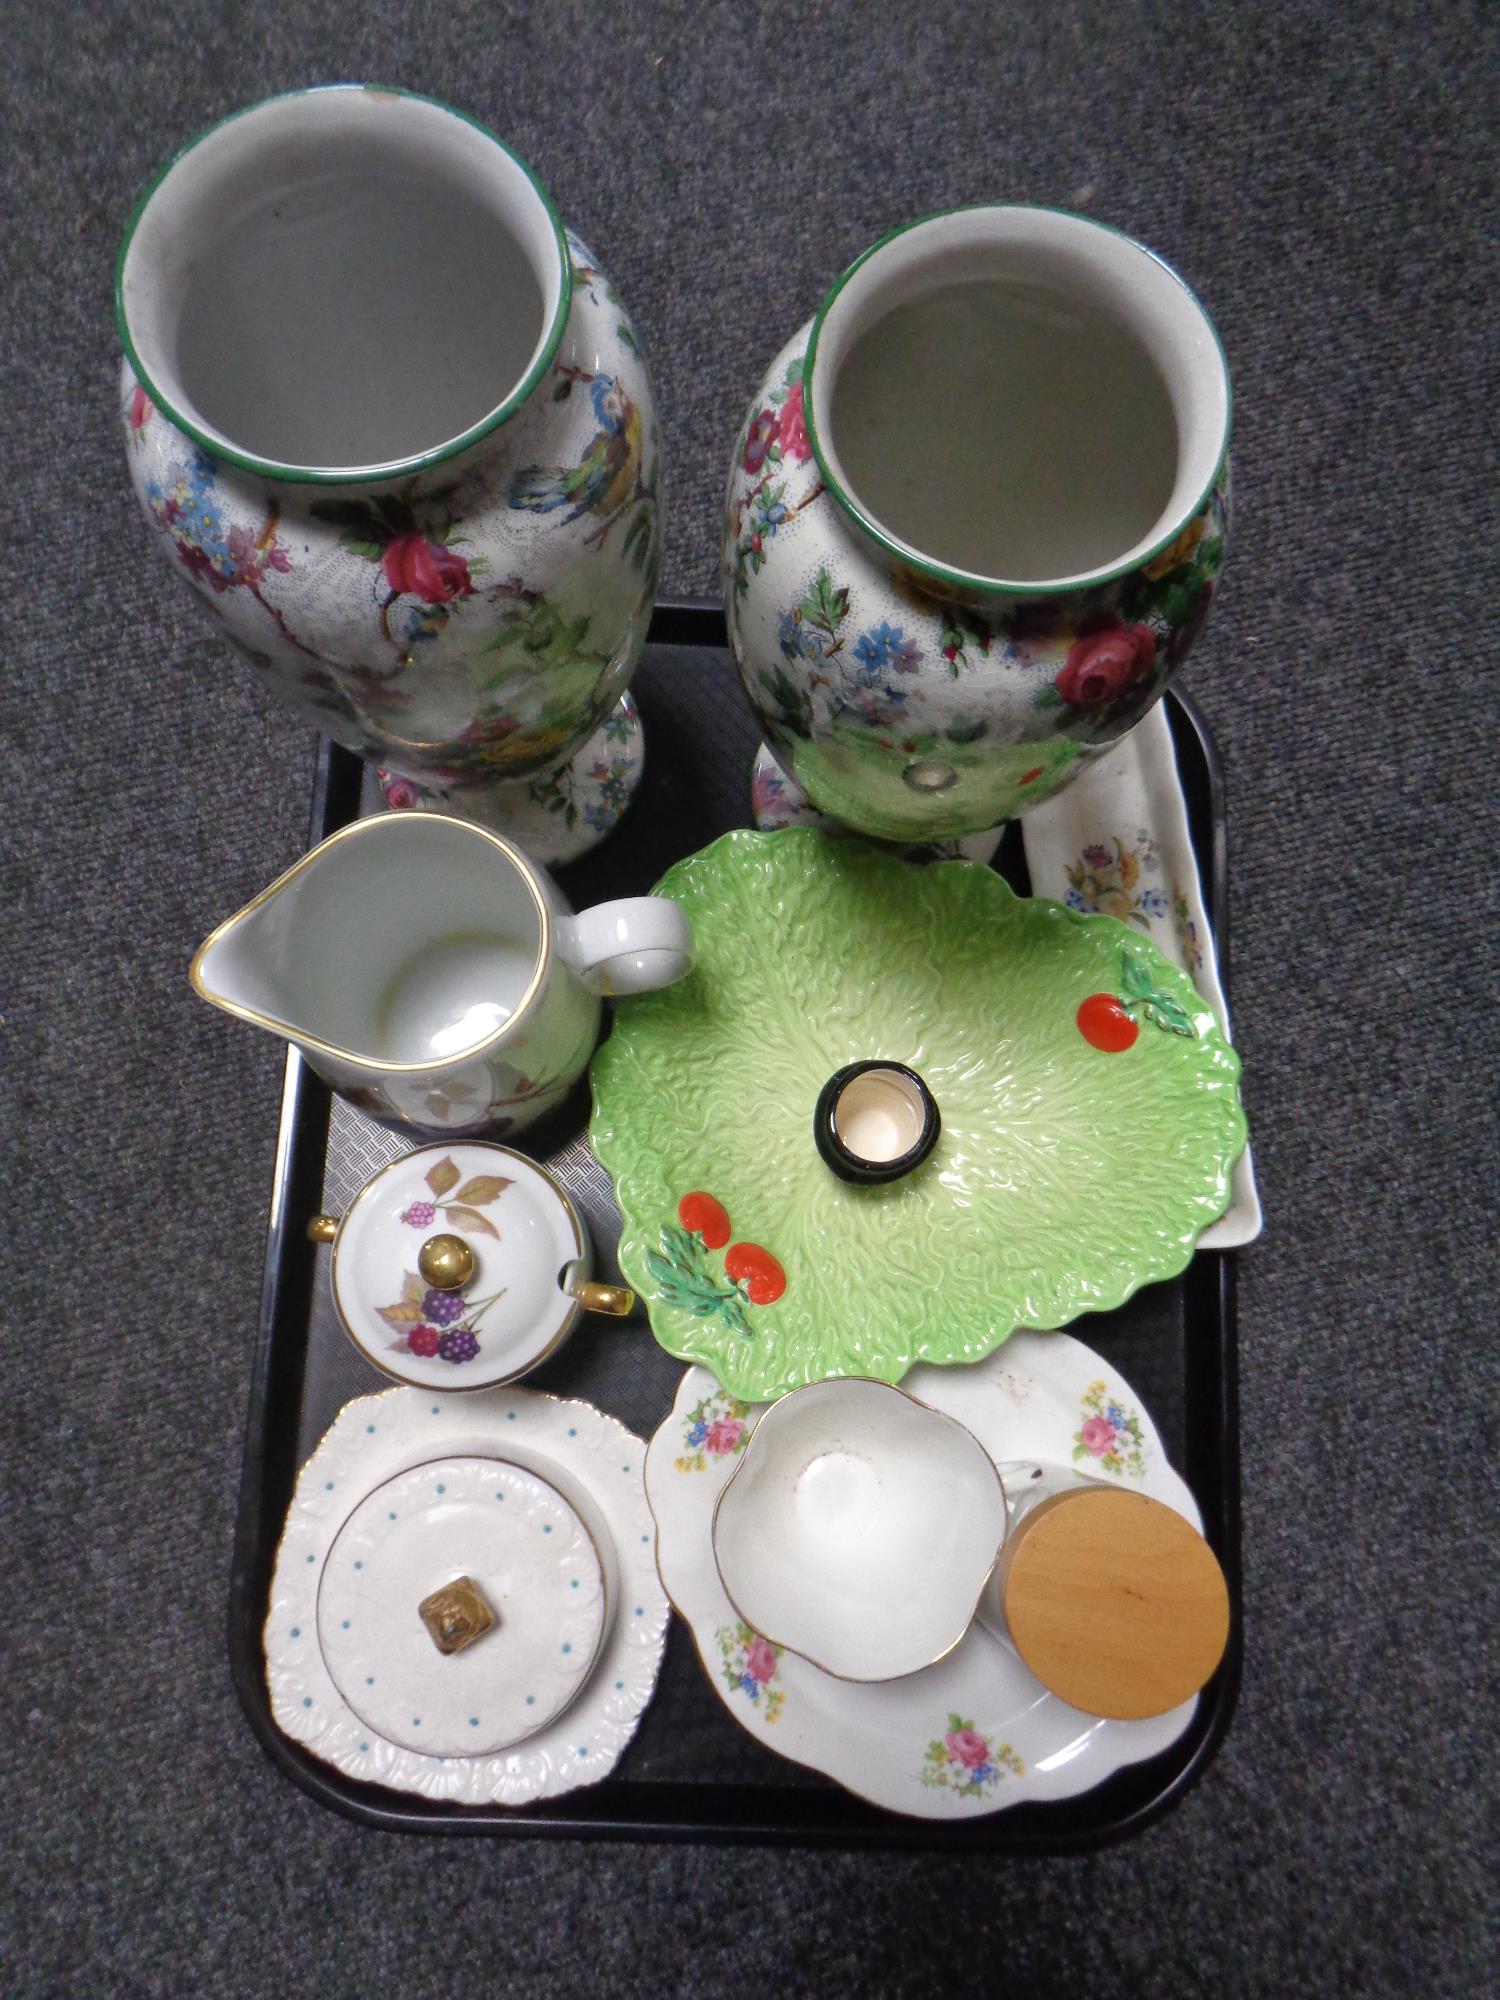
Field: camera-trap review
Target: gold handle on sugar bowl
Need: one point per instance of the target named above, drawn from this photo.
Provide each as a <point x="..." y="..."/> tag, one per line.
<point x="614" y="1301"/>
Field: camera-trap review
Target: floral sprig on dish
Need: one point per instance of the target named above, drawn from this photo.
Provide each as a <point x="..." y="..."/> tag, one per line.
<point x="715" y="1430"/>
<point x="749" y="1665"/>
<point x="1106" y="879"/>
<point x="1189" y="943"/>
<point x="1110" y="1434"/>
<point x="963" y="1761"/>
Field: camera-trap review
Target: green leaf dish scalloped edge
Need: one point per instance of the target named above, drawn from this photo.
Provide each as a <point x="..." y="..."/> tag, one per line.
<point x="1064" y="1177"/>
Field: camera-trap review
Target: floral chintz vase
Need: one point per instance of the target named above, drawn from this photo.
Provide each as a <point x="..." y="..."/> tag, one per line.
<point x="391" y="423"/>
<point x="905" y="692"/>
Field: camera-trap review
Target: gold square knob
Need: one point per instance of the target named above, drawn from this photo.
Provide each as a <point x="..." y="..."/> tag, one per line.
<point x="456" y="1615"/>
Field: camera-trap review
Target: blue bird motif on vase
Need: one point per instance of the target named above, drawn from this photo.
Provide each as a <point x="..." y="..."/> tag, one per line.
<point x="607" y="479"/>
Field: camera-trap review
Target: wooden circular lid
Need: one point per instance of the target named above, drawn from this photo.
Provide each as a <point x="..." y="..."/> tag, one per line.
<point x="1114" y="1601"/>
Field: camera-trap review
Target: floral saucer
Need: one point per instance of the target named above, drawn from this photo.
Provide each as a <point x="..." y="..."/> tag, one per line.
<point x="594" y="1467"/>
<point x="976" y="1732"/>
<point x="1089" y="1102"/>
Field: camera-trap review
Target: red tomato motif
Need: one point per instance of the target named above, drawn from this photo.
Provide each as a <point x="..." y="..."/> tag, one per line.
<point x="1104" y="1024"/>
<point x="706" y="1217"/>
<point x="757" y="1270"/>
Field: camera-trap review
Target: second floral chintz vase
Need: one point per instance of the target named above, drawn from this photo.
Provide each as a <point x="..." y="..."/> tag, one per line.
<point x="390" y="421"/>
<point x="974" y="522"/>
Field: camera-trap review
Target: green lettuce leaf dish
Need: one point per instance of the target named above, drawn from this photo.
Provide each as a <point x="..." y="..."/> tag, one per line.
<point x="1066" y="1174"/>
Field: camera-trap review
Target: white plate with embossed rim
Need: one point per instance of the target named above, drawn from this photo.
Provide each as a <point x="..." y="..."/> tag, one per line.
<point x="594" y="1463"/>
<point x="537" y="1570"/>
<point x="977" y="1732"/>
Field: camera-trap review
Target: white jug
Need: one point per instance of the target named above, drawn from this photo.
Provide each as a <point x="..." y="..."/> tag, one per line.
<point x="433" y="974"/>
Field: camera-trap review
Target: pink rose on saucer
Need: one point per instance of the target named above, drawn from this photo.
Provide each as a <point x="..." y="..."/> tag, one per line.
<point x="1098" y="1434"/>
<point x="969" y="1747"/>
<point x="760" y="1660"/>
<point x="724" y="1435"/>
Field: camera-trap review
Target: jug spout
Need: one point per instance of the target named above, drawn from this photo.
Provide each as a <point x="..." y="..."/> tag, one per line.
<point x="255" y="964"/>
<point x="398" y="955"/>
<point x="433" y="974"/>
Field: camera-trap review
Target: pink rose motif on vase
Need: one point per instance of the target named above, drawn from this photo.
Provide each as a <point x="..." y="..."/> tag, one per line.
<point x="140" y="409"/>
<point x="420" y="566"/>
<point x="1106" y="663"/>
<point x="1110" y="1435"/>
<point x="715" y="1432"/>
<point x="966" y="1763"/>
<point x="410" y="539"/>
<point x="749" y="1664"/>
<point x="791" y="428"/>
<point x="400" y="793"/>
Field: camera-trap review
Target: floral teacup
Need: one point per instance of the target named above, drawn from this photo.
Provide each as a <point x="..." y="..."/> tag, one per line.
<point x="859" y="1529"/>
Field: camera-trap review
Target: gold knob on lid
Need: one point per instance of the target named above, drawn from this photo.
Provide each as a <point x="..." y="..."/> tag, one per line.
<point x="322" y="1228"/>
<point x="446" y="1262"/>
<point x="456" y="1615"/>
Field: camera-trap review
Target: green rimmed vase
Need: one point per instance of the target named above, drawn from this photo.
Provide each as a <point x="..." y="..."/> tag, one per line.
<point x="389" y="421"/>
<point x="974" y="522"/>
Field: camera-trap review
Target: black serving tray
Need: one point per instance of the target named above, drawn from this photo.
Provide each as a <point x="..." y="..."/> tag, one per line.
<point x="690" y="1773"/>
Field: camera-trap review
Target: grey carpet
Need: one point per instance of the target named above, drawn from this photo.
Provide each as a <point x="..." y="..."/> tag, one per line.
<point x="1324" y="176"/>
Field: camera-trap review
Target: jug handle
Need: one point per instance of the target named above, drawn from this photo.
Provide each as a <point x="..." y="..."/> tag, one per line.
<point x="632" y="945"/>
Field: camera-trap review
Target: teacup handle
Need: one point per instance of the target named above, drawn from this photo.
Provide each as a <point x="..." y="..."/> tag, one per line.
<point x="629" y="946"/>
